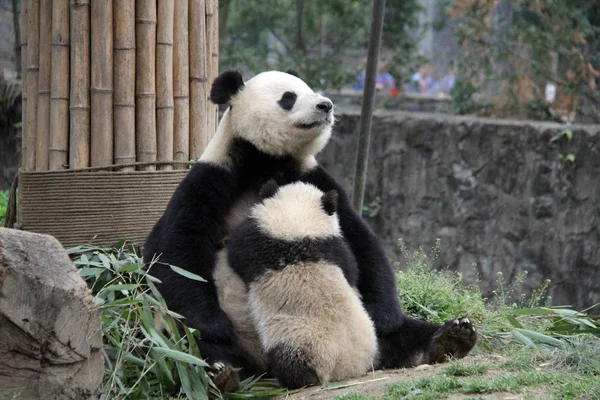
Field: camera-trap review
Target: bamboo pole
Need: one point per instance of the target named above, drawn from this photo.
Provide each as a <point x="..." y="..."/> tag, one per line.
<point x="212" y="60"/>
<point x="25" y="83"/>
<point x="181" y="74"/>
<point x="145" y="93"/>
<point x="164" y="82"/>
<point x="198" y="78"/>
<point x="124" y="82"/>
<point x="42" y="142"/>
<point x="366" y="115"/>
<point x="101" y="138"/>
<point x="59" y="99"/>
<point x="33" y="37"/>
<point x="79" y="106"/>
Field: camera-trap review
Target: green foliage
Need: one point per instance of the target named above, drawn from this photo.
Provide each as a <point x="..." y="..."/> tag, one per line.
<point x="3" y="205"/>
<point x="512" y="49"/>
<point x="10" y="98"/>
<point x="461" y="369"/>
<point x="315" y="38"/>
<point x="142" y="360"/>
<point x="435" y="295"/>
<point x="372" y="209"/>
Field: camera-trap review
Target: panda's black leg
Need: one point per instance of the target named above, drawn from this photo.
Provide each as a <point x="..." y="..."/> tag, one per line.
<point x="292" y="367"/>
<point x="420" y="342"/>
<point x="225" y="377"/>
<point x="455" y="338"/>
<point x="229" y="364"/>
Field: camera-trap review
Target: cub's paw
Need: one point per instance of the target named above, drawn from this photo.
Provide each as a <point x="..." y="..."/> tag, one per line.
<point x="225" y="377"/>
<point x="455" y="338"/>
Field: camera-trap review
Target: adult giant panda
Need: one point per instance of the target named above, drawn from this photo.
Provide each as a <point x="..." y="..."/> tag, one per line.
<point x="273" y="128"/>
<point x="302" y="296"/>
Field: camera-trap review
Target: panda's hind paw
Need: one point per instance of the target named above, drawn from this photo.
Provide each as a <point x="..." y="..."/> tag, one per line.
<point x="224" y="376"/>
<point x="455" y="338"/>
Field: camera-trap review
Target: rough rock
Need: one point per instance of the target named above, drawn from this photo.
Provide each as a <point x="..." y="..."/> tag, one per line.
<point x="496" y="193"/>
<point x="49" y="329"/>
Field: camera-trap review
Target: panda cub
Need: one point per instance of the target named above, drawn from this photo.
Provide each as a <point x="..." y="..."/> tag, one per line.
<point x="301" y="277"/>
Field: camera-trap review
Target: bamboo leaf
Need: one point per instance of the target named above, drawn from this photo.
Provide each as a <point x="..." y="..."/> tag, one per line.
<point x="524" y="340"/>
<point x="540" y="337"/>
<point x="187" y="274"/>
<point x="180" y="356"/>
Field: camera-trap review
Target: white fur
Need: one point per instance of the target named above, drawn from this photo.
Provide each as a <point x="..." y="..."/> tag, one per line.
<point x="295" y="212"/>
<point x="217" y="151"/>
<point x="256" y="116"/>
<point x="311" y="306"/>
<point x="233" y="299"/>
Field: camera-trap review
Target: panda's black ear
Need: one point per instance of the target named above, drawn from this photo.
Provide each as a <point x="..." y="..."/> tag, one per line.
<point x="225" y="86"/>
<point x="268" y="189"/>
<point x="329" y="201"/>
<point x="292" y="72"/>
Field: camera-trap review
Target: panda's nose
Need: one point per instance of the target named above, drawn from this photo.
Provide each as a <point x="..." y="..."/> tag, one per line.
<point x="325" y="106"/>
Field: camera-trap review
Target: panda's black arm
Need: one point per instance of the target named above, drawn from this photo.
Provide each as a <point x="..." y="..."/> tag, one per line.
<point x="187" y="236"/>
<point x="376" y="278"/>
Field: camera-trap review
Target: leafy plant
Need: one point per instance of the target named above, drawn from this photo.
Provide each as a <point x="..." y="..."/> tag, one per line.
<point x="325" y="42"/>
<point x="372" y="209"/>
<point x="3" y="205"/>
<point x="144" y="358"/>
<point x="435" y="295"/>
<point x="10" y="98"/>
<point x="512" y="49"/>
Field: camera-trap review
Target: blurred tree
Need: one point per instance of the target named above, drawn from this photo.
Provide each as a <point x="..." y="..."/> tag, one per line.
<point x="513" y="49"/>
<point x="322" y="40"/>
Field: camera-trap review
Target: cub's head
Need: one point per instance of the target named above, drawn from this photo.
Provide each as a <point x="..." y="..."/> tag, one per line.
<point x="275" y="111"/>
<point x="295" y="211"/>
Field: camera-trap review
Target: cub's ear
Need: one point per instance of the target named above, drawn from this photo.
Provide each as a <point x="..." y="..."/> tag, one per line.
<point x="292" y="72"/>
<point x="225" y="86"/>
<point x="329" y="201"/>
<point x="268" y="189"/>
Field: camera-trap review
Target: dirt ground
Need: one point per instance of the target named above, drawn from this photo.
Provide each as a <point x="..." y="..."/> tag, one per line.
<point x="375" y="384"/>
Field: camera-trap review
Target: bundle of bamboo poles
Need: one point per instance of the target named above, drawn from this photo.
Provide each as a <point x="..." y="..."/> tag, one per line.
<point x="117" y="82"/>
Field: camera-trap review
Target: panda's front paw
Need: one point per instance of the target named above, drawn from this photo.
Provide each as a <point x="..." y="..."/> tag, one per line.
<point x="224" y="376"/>
<point x="455" y="338"/>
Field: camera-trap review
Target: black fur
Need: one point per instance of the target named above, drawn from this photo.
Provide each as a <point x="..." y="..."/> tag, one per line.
<point x="329" y="201"/>
<point x="268" y="189"/>
<point x="376" y="281"/>
<point x="288" y="99"/>
<point x="292" y="367"/>
<point x="292" y="72"/>
<point x="225" y="86"/>
<point x="251" y="252"/>
<point x="192" y="228"/>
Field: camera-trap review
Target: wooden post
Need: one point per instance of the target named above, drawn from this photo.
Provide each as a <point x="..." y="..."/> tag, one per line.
<point x="44" y="83"/>
<point x="101" y="138"/>
<point x="145" y="111"/>
<point x="33" y="37"/>
<point x="181" y="67"/>
<point x="25" y="84"/>
<point x="212" y="60"/>
<point x="124" y="82"/>
<point x="79" y="106"/>
<point x="164" y="82"/>
<point x="59" y="99"/>
<point x="198" y="78"/>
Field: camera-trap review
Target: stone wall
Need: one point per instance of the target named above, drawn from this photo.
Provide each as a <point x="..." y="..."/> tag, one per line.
<point x="494" y="192"/>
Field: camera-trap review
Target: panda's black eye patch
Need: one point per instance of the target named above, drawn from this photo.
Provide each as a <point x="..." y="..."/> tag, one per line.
<point x="288" y="100"/>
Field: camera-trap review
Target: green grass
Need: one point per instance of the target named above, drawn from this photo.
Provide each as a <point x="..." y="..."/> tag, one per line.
<point x="460" y="369"/>
<point x="435" y="295"/>
<point x="526" y="346"/>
